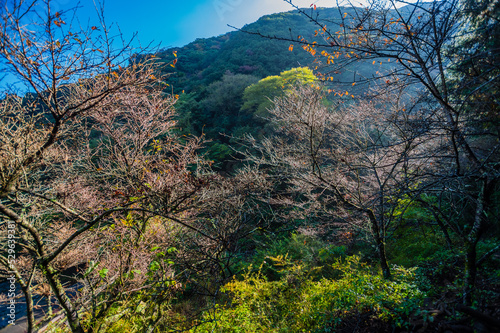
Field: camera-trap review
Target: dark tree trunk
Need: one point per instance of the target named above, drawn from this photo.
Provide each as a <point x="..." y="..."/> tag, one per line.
<point x="379" y="242"/>
<point x="470" y="273"/>
<point x="64" y="301"/>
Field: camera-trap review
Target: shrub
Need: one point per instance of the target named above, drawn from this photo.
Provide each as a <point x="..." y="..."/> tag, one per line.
<point x="297" y="303"/>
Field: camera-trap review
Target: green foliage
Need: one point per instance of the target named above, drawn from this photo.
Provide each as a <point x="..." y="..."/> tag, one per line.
<point x="296" y="303"/>
<point x="475" y="73"/>
<point x="219" y="152"/>
<point x="206" y="60"/>
<point x="313" y="253"/>
<point x="258" y="97"/>
<point x="410" y="246"/>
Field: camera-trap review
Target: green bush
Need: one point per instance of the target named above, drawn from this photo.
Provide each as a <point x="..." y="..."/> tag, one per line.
<point x="297" y="303"/>
<point x="308" y="250"/>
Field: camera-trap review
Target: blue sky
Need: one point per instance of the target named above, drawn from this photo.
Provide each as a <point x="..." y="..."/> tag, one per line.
<point x="170" y="23"/>
<point x="176" y="23"/>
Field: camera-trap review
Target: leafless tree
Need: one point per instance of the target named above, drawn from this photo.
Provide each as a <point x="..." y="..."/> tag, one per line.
<point x="417" y="46"/>
<point x="90" y="168"/>
<point x="349" y="161"/>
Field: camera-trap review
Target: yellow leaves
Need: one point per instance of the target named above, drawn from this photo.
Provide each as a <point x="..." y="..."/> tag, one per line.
<point x="173" y="63"/>
<point x="175" y="53"/>
<point x="290" y="48"/>
<point x="353" y="83"/>
<point x="309" y="49"/>
<point x="59" y="22"/>
<point x="345" y="15"/>
<point x="373" y="63"/>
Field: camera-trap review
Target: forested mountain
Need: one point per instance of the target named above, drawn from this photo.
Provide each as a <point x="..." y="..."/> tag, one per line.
<point x="206" y="60"/>
<point x="210" y="76"/>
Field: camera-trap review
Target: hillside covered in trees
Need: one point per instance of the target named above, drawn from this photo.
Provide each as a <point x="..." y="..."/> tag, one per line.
<point x="320" y="170"/>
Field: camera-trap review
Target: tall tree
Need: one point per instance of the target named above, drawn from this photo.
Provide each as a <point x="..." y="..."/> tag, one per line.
<point x="412" y="46"/>
<point x="88" y="160"/>
<point x="345" y="162"/>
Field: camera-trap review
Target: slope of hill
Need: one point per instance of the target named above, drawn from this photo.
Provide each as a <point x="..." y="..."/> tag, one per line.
<point x="206" y="60"/>
<point x="229" y="63"/>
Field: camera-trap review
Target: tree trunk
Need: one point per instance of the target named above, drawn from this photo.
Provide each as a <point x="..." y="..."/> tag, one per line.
<point x="471" y="244"/>
<point x="26" y="288"/>
<point x="64" y="301"/>
<point x="380" y="245"/>
<point x="470" y="273"/>
<point x="30" y="315"/>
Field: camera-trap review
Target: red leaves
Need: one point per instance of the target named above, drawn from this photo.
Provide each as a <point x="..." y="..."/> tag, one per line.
<point x="118" y="193"/>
